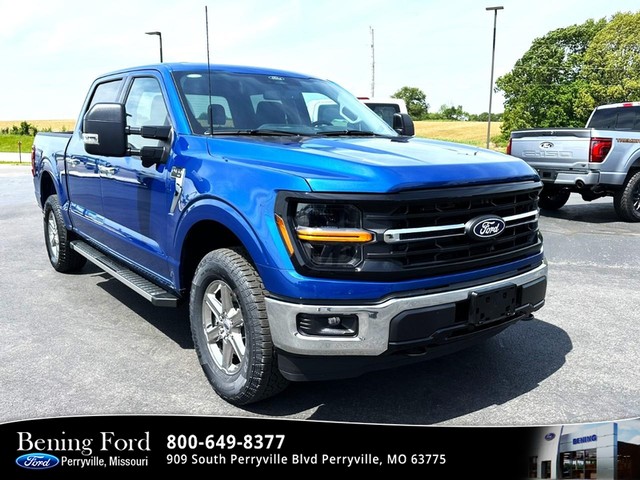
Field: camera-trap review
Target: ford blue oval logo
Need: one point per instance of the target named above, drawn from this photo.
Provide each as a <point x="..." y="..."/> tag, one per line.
<point x="549" y="436"/>
<point x="37" y="461"/>
<point x="546" y="145"/>
<point x="488" y="226"/>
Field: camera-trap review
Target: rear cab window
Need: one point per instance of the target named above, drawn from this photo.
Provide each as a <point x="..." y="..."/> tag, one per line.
<point x="617" y="118"/>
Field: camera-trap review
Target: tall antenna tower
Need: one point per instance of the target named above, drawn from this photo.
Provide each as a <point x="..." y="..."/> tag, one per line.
<point x="373" y="65"/>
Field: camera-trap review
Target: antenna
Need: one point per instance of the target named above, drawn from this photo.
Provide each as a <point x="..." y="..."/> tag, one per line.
<point x="373" y="65"/>
<point x="209" y="110"/>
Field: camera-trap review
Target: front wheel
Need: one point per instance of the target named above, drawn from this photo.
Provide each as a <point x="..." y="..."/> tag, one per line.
<point x="553" y="198"/>
<point x="627" y="201"/>
<point x="230" y="329"/>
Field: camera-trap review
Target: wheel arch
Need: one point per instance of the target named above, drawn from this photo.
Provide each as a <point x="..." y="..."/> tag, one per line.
<point x="634" y="167"/>
<point x="632" y="163"/>
<point x="47" y="187"/>
<point x="209" y="227"/>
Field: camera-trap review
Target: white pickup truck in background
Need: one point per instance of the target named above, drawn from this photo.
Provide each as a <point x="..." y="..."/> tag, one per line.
<point x="386" y="108"/>
<point x="602" y="159"/>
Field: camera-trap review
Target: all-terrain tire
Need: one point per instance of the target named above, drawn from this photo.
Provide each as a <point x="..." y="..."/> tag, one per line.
<point x="230" y="328"/>
<point x="627" y="201"/>
<point x="58" y="239"/>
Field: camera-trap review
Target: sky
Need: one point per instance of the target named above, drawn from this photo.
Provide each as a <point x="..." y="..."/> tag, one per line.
<point x="52" y="51"/>
<point x="628" y="430"/>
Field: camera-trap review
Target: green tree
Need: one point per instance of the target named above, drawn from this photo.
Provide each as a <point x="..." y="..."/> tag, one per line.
<point x="611" y="71"/>
<point x="416" y="101"/>
<point x="546" y="86"/>
<point x="27" y="129"/>
<point x="450" y="112"/>
<point x="484" y="117"/>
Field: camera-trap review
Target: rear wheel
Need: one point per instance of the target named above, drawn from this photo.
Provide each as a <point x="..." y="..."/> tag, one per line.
<point x="231" y="331"/>
<point x="58" y="239"/>
<point x="553" y="198"/>
<point x="627" y="201"/>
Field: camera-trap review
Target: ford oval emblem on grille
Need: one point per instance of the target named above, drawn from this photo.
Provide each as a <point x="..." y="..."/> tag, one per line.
<point x="481" y="228"/>
<point x="546" y="145"/>
<point x="549" y="436"/>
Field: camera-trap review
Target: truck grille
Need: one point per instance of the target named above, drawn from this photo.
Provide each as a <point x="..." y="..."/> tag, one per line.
<point x="424" y="233"/>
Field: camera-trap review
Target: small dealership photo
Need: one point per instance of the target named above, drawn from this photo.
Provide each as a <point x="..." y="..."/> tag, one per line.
<point x="607" y="450"/>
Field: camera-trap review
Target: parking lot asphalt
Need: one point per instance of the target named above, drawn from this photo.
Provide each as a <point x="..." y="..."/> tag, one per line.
<point x="84" y="344"/>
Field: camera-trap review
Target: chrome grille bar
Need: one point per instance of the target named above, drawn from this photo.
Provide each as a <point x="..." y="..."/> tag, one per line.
<point x="442" y="231"/>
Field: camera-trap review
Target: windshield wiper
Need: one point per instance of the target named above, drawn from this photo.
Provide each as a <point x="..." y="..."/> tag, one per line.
<point x="258" y="132"/>
<point x="361" y="133"/>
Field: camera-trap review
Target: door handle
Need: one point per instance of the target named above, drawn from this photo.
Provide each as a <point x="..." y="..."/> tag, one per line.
<point x="107" y="171"/>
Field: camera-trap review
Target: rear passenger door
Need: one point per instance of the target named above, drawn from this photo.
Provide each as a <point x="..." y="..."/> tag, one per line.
<point x="83" y="170"/>
<point x="135" y="197"/>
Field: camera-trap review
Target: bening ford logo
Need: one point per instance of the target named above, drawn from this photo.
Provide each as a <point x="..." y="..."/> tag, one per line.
<point x="485" y="227"/>
<point x="37" y="461"/>
<point x="546" y="145"/>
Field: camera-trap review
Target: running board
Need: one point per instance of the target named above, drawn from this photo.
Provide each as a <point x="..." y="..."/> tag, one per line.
<point x="155" y="294"/>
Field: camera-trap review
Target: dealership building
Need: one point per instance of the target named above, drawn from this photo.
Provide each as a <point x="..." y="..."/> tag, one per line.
<point x="589" y="451"/>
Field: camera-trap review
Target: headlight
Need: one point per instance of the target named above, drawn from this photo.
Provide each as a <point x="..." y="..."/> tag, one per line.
<point x="329" y="235"/>
<point x="322" y="215"/>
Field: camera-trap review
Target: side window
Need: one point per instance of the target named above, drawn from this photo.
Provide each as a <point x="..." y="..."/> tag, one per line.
<point x="105" y="92"/>
<point x="145" y="106"/>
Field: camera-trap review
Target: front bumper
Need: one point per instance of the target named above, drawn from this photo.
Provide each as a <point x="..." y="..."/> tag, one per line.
<point x="392" y="324"/>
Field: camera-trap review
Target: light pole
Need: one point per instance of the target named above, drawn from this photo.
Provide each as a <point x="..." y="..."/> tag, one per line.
<point x="160" y="37"/>
<point x="493" y="56"/>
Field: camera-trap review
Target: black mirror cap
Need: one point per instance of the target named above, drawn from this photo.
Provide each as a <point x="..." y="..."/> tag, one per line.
<point x="403" y="124"/>
<point x="104" y="130"/>
<point x="157" y="132"/>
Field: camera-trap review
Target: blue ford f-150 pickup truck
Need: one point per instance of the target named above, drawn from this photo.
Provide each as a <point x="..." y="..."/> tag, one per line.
<point x="311" y="239"/>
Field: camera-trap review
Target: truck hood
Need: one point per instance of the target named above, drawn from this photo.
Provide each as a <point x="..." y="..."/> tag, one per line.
<point x="374" y="164"/>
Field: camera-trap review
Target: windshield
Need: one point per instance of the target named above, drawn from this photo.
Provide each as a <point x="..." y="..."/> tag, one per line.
<point x="243" y="103"/>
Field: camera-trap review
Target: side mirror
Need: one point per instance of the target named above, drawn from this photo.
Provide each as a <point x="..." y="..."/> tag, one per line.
<point x="403" y="124"/>
<point x="104" y="130"/>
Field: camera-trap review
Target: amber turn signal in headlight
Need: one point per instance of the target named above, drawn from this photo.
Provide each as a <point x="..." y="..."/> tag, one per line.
<point x="344" y="235"/>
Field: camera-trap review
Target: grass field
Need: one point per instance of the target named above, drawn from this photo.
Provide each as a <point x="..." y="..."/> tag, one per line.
<point x="9" y="143"/>
<point x="54" y="125"/>
<point x="471" y="133"/>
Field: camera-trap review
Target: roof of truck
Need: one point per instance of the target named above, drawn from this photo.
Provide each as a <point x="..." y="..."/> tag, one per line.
<point x="619" y="105"/>
<point x="187" y="67"/>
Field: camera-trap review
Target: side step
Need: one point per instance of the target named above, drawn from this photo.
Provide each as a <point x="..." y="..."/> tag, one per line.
<point x="155" y="294"/>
